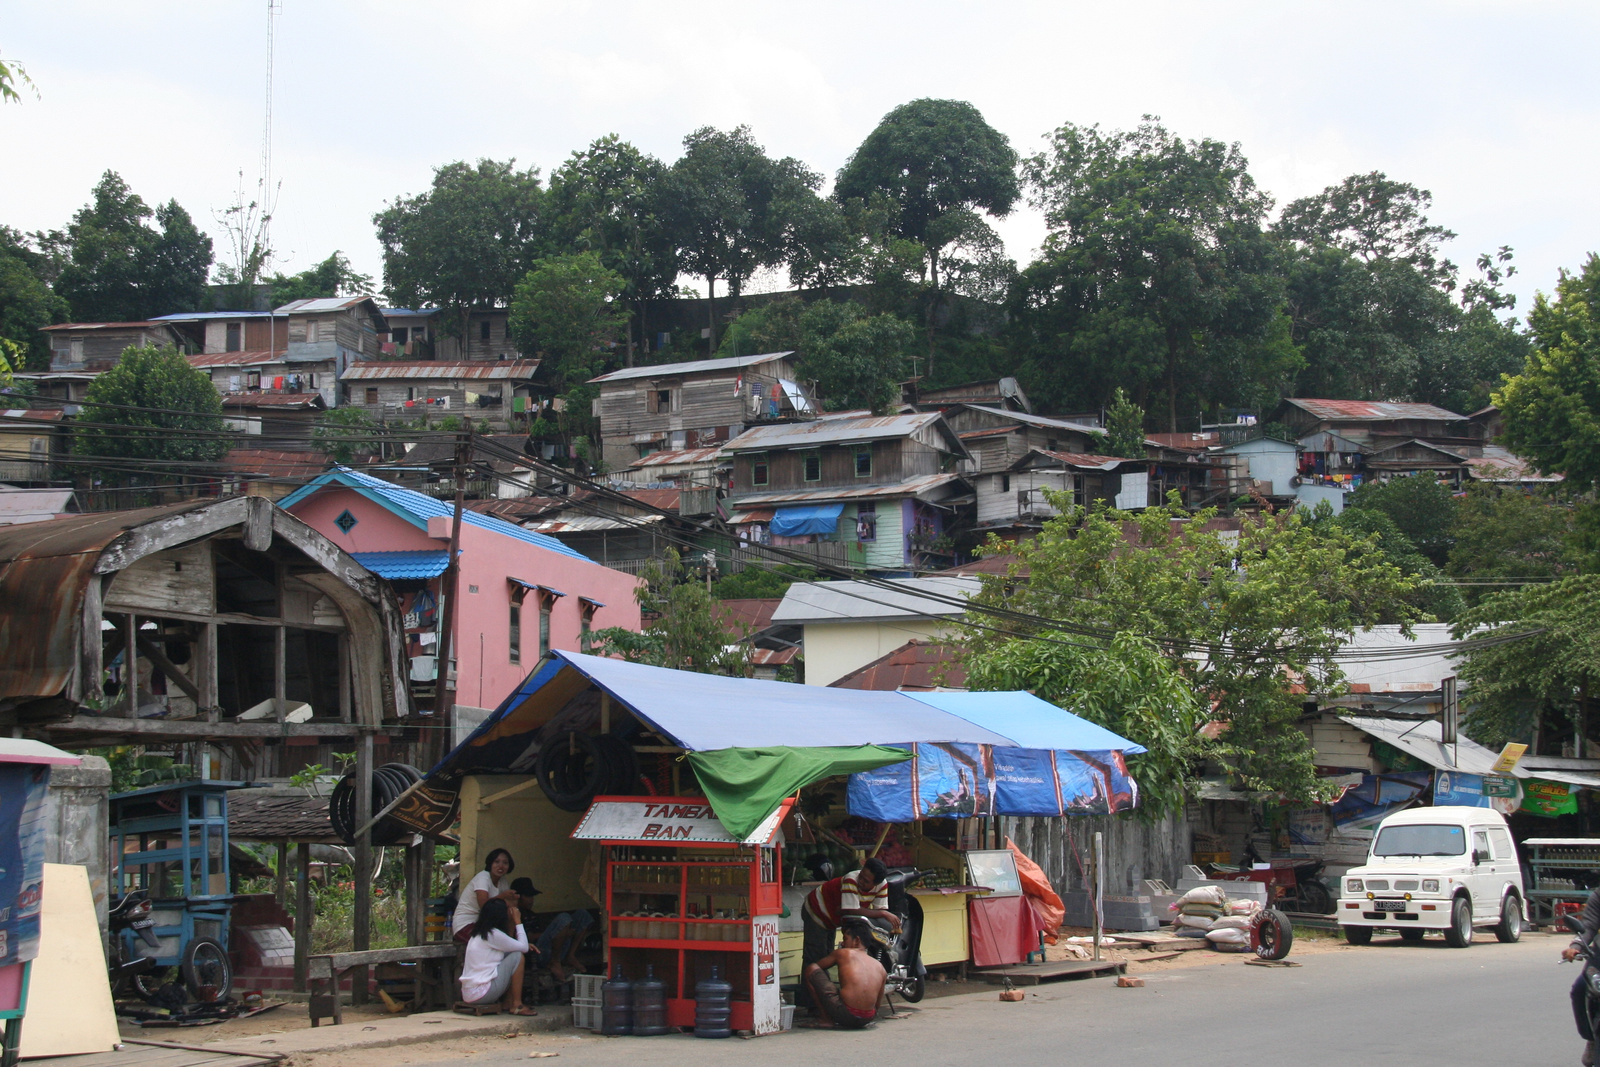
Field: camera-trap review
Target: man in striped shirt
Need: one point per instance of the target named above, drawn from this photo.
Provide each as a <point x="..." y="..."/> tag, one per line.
<point x="862" y="893"/>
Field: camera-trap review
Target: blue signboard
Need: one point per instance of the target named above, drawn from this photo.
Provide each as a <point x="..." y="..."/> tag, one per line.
<point x="1454" y="787"/>
<point x="23" y="787"/>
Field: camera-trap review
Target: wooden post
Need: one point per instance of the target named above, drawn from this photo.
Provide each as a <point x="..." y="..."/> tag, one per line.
<point x="280" y="672"/>
<point x="346" y="697"/>
<point x="363" y="873"/>
<point x="283" y="874"/>
<point x="416" y="887"/>
<point x="443" y="706"/>
<point x="206" y="672"/>
<point x="302" y="914"/>
<point x="130" y="664"/>
<point x="1098" y="874"/>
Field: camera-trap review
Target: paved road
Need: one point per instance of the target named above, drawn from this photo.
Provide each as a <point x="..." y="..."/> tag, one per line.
<point x="1419" y="1005"/>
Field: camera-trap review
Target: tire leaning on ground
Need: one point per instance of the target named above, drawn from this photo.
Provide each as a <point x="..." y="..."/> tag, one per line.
<point x="1358" y="935"/>
<point x="1276" y="935"/>
<point x="1459" y="935"/>
<point x="1509" y="929"/>
<point x="206" y="971"/>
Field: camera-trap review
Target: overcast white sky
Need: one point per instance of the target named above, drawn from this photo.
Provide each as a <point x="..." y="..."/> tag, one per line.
<point x="1490" y="105"/>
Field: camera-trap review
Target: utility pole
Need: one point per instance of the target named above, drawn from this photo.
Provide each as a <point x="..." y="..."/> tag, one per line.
<point x="444" y="706"/>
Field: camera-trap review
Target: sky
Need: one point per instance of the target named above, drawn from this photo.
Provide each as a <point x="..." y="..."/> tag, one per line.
<point x="1489" y="104"/>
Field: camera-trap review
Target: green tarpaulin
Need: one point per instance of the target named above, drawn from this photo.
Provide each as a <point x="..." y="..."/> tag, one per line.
<point x="745" y="785"/>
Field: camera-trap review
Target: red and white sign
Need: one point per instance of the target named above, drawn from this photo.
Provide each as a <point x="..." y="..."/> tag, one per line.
<point x="666" y="821"/>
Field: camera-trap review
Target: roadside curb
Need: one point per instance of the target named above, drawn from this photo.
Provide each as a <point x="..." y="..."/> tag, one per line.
<point x="417" y="1029"/>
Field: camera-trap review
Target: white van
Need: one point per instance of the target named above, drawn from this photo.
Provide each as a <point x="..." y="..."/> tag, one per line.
<point x="1447" y="868"/>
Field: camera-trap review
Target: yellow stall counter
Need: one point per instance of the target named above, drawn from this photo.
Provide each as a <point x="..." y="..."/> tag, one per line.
<point x="944" y="927"/>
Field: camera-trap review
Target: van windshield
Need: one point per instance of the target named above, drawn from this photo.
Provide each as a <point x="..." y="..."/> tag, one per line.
<point x="1420" y="840"/>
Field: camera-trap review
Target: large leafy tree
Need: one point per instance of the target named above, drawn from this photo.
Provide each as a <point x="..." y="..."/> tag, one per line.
<point x="733" y="209"/>
<point x="1422" y="509"/>
<point x="148" y="417"/>
<point x="856" y="358"/>
<point x="1156" y="273"/>
<point x="120" y="268"/>
<point x="333" y="276"/>
<point x="569" y="309"/>
<point x="465" y="243"/>
<point x="1246" y="623"/>
<point x="1124" y="434"/>
<point x="606" y="199"/>
<point x="1552" y="408"/>
<point x="1507" y="535"/>
<point x="684" y="631"/>
<point x="27" y="303"/>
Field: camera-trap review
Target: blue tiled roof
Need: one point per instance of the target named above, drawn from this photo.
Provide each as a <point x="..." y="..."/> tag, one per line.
<point x="420" y="508"/>
<point x="403" y="564"/>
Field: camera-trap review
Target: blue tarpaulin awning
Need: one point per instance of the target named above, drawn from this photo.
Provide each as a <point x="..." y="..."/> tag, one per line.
<point x="802" y="519"/>
<point x="1031" y="723"/>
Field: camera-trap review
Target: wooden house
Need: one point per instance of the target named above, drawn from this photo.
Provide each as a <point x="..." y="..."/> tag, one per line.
<point x="93" y="347"/>
<point x="328" y="334"/>
<point x="498" y="391"/>
<point x="1003" y="393"/>
<point x="676" y="406"/>
<point x="1015" y="503"/>
<point x="887" y="488"/>
<point x="218" y="332"/>
<point x="275" y="421"/>
<point x="31" y="440"/>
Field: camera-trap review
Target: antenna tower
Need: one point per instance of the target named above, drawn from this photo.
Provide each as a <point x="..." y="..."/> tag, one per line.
<point x="273" y="8"/>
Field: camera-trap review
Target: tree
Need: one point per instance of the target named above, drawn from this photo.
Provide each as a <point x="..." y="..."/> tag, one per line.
<point x="1128" y="686"/>
<point x="1156" y="271"/>
<point x="569" y="308"/>
<point x="1422" y="508"/>
<point x="1373" y="218"/>
<point x="732" y="209"/>
<point x="334" y="276"/>
<point x="857" y="359"/>
<point x="13" y="74"/>
<point x="1552" y="408"/>
<point x="1544" y="681"/>
<point x="685" y="633"/>
<point x="345" y="433"/>
<point x="150" y="414"/>
<point x="607" y="199"/>
<point x="27" y="304"/>
<point x="1124" y="427"/>
<point x="1505" y="534"/>
<point x="1250" y="625"/>
<point x="245" y="222"/>
<point x="464" y="243"/>
<point x="119" y="268"/>
<point x="941" y="167"/>
<point x="766" y="582"/>
<point x="1433" y="594"/>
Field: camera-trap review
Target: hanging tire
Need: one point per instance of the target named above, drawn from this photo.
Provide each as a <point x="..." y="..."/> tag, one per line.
<point x="1275" y="935"/>
<point x="622" y="768"/>
<point x="1509" y="929"/>
<point x="1358" y="935"/>
<point x="388" y="782"/>
<point x="206" y="971"/>
<point x="1411" y="933"/>
<point x="571" y="770"/>
<point x="1459" y="935"/>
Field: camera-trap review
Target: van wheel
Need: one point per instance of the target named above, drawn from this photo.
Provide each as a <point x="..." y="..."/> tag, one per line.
<point x="1358" y="935"/>
<point x="1411" y="933"/>
<point x="1459" y="935"/>
<point x="1509" y="930"/>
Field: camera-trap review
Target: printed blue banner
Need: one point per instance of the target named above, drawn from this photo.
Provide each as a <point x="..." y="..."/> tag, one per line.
<point x="1366" y="804"/>
<point x="1464" y="790"/>
<point x="23" y="787"/>
<point x="886" y="794"/>
<point x="958" y="781"/>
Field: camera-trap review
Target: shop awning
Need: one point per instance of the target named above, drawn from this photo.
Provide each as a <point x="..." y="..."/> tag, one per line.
<point x="1420" y="738"/>
<point x="745" y="785"/>
<point x="1029" y="724"/>
<point x="801" y="519"/>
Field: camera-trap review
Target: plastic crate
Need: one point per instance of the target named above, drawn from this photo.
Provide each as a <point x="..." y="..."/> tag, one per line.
<point x="587" y="986"/>
<point x="586" y="1013"/>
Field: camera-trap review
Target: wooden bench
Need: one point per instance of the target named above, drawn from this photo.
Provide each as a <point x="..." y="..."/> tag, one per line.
<point x="434" y="976"/>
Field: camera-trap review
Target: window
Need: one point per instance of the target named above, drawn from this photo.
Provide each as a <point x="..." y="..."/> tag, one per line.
<point x="252" y="379"/>
<point x="813" y="465"/>
<point x="586" y="610"/>
<point x="1502" y="844"/>
<point x="372" y="394"/>
<point x="866" y="522"/>
<point x="235" y="337"/>
<point x="398" y="336"/>
<point x="864" y="463"/>
<point x="483" y="330"/>
<point x="1480" y="843"/>
<point x="311" y="331"/>
<point x="516" y="630"/>
<point x="77" y="351"/>
<point x="659" y="401"/>
<point x="1050" y="445"/>
<point x="547" y="603"/>
<point x="758" y="470"/>
<point x="1004" y="481"/>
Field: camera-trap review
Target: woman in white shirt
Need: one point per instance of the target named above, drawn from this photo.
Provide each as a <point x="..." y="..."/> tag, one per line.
<point x="496" y="956"/>
<point x="488" y="884"/>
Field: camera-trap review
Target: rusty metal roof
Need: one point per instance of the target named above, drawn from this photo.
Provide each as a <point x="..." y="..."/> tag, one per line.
<point x="1498" y="464"/>
<point x="268" y="463"/>
<point x="466" y="370"/>
<point x="102" y="325"/>
<point x="916" y="665"/>
<point x="1084" y="460"/>
<point x="699" y="366"/>
<point x="678" y="458"/>
<point x="279" y="815"/>
<point x="909" y="487"/>
<point x="299" y="401"/>
<point x="837" y="432"/>
<point x="35" y="414"/>
<point x="253" y="358"/>
<point x="1378" y="410"/>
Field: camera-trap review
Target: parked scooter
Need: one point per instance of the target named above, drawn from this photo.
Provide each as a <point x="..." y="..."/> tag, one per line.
<point x="1589" y="953"/>
<point x="901" y="956"/>
<point x="133" y="975"/>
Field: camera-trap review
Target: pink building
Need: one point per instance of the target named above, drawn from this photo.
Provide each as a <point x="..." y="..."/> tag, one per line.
<point x="520" y="593"/>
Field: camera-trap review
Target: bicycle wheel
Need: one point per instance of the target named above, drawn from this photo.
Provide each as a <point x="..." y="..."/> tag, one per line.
<point x="206" y="971"/>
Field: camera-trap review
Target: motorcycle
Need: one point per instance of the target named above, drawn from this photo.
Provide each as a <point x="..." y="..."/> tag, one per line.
<point x="133" y="975"/>
<point x="901" y="952"/>
<point x="1589" y="953"/>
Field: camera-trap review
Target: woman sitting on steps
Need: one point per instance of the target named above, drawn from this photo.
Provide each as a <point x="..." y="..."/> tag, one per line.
<point x="495" y="959"/>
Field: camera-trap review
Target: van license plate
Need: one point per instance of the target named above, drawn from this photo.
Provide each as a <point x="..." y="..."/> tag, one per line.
<point x="1391" y="905"/>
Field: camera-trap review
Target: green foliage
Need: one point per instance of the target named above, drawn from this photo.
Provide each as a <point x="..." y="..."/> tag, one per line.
<point x="1552" y="408"/>
<point x="1155" y="275"/>
<point x="10" y="353"/>
<point x="332" y="277"/>
<point x="1505" y="533"/>
<point x="771" y="326"/>
<point x="345" y="433"/>
<point x="27" y="303"/>
<point x="181" y="420"/>
<point x="757" y="583"/>
<point x="1422" y="508"/>
<point x="465" y="242"/>
<point x="685" y="633"/>
<point x="119" y="268"/>
<point x="13" y="74"/>
<point x="1241" y="622"/>
<point x="1129" y="686"/>
<point x="1545" y="680"/>
<point x="1124" y="434"/>
<point x="856" y="359"/>
<point x="569" y="309"/>
<point x="1441" y="601"/>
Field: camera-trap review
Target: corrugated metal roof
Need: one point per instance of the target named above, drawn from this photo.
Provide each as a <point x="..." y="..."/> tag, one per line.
<point x="400" y="565"/>
<point x="911" y="487"/>
<point x="1338" y="410"/>
<point x="473" y="370"/>
<point x="680" y="458"/>
<point x="998" y="431"/>
<point x="744" y="515"/>
<point x="271" y="463"/>
<point x="35" y="414"/>
<point x="857" y="601"/>
<point x="1036" y="420"/>
<point x="579" y="523"/>
<point x="19" y="506"/>
<point x="1420" y="738"/>
<point x="423" y="507"/>
<point x="293" y="401"/>
<point x="746" y="614"/>
<point x="699" y="366"/>
<point x="831" y="431"/>
<point x="213" y="316"/>
<point x="279" y="815"/>
<point x="314" y="304"/>
<point x="1082" y="460"/>
<point x="102" y="325"/>
<point x="916" y="665"/>
<point x="253" y="358"/>
<point x="1498" y="464"/>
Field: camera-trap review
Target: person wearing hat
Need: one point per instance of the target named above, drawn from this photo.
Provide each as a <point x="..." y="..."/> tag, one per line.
<point x="557" y="944"/>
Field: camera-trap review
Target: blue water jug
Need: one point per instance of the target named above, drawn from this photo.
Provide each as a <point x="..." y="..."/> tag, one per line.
<point x="649" y="1005"/>
<point x="616" y="1006"/>
<point x="713" y="1006"/>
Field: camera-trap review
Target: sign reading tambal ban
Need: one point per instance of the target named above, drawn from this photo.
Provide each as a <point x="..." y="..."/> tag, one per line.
<point x="666" y="821"/>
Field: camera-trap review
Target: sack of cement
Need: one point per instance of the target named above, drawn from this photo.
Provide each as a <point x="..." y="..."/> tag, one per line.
<point x="1187" y="931"/>
<point x="1205" y="894"/>
<point x="1233" y="890"/>
<point x="1197" y="922"/>
<point x="1228" y="936"/>
<point x="1231" y="922"/>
